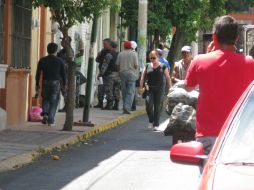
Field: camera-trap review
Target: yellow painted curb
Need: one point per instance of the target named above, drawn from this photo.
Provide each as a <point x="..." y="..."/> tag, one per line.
<point x="28" y="157"/>
<point x="96" y="130"/>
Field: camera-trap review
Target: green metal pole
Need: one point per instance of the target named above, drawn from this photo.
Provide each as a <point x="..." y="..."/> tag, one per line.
<point x="90" y="72"/>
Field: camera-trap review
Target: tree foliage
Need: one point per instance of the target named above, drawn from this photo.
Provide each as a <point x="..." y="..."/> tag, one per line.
<point x="157" y="20"/>
<point x="70" y="12"/>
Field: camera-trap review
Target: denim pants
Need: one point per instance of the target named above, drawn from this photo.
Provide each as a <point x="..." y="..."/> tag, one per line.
<point x="154" y="101"/>
<point x="128" y="83"/>
<point x="50" y="99"/>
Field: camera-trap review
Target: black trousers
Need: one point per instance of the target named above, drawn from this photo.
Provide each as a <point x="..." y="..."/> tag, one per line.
<point x="154" y="101"/>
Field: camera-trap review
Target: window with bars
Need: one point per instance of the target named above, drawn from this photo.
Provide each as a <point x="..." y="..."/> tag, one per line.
<point x="21" y="33"/>
<point x="1" y="31"/>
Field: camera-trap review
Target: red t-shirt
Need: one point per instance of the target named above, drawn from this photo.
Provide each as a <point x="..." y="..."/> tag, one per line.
<point x="222" y="77"/>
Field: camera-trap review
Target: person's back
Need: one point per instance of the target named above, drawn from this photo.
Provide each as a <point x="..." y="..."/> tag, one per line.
<point x="53" y="72"/>
<point x="52" y="68"/>
<point x="222" y="76"/>
<point x="127" y="60"/>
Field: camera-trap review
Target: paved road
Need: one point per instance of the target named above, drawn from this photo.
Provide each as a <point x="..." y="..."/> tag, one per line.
<point x="130" y="157"/>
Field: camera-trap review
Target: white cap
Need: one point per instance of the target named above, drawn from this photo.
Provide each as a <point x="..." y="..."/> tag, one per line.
<point x="186" y="49"/>
<point x="133" y="45"/>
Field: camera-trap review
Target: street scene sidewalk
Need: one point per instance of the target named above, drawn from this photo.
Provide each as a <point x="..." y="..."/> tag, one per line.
<point x="20" y="145"/>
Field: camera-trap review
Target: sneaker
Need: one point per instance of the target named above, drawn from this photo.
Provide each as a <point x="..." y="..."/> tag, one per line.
<point x="51" y="124"/>
<point x="44" y="120"/>
<point x="156" y="128"/>
<point x="150" y="126"/>
<point x="126" y="111"/>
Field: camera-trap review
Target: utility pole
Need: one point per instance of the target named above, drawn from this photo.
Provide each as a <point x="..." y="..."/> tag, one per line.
<point x="142" y="32"/>
<point x="89" y="82"/>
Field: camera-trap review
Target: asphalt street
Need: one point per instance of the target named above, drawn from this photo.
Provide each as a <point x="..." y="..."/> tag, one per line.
<point x="130" y="157"/>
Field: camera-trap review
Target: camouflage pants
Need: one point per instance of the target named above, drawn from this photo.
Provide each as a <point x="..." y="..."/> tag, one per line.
<point x="112" y="86"/>
<point x="101" y="92"/>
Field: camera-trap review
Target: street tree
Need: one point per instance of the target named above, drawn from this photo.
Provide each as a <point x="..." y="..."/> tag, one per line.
<point x="188" y="17"/>
<point x="67" y="13"/>
<point x="158" y="24"/>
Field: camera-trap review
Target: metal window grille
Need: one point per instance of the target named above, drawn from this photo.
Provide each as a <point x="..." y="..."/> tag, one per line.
<point x="1" y="31"/>
<point x="21" y="35"/>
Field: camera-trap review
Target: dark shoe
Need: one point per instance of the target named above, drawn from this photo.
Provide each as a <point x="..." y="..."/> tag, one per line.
<point x="126" y="111"/>
<point x="109" y="105"/>
<point x="116" y="105"/>
<point x="44" y="120"/>
<point x="133" y="109"/>
<point x="99" y="105"/>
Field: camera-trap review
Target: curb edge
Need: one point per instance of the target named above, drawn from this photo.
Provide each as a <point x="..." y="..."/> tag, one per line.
<point x="18" y="161"/>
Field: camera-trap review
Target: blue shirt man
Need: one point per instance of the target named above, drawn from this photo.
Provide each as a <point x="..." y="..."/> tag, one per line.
<point x="162" y="59"/>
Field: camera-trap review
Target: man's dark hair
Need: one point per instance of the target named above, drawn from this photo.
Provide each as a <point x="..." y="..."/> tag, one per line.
<point x="107" y="40"/>
<point x="251" y="52"/>
<point x="52" y="48"/>
<point x="161" y="46"/>
<point x="226" y="30"/>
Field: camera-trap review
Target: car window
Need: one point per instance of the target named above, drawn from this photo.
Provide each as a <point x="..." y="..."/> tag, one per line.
<point x="239" y="144"/>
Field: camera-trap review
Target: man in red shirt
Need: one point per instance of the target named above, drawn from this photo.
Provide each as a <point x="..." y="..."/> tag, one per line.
<point x="222" y="75"/>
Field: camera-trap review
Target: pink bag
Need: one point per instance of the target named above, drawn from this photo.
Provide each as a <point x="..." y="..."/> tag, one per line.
<point x="35" y="114"/>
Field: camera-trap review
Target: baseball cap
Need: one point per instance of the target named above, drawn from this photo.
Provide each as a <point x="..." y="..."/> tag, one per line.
<point x="133" y="45"/>
<point x="186" y="49"/>
<point x="127" y="44"/>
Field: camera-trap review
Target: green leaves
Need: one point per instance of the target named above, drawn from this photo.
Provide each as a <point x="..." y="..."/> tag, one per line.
<point x="70" y="12"/>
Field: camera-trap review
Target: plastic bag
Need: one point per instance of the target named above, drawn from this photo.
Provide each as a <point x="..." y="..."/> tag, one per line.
<point x="35" y="114"/>
<point x="180" y="95"/>
<point x="183" y="118"/>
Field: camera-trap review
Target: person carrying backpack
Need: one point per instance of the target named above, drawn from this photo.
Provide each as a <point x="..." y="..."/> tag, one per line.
<point x="154" y="78"/>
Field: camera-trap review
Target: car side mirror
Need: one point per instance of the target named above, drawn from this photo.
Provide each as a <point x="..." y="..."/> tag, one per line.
<point x="190" y="152"/>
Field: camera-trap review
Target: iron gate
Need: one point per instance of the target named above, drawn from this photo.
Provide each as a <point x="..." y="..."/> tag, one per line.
<point x="21" y="35"/>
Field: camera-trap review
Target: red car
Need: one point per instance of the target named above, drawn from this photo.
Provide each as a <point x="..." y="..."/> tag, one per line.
<point x="230" y="165"/>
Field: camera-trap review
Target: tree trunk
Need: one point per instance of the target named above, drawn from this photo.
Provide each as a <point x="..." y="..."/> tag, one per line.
<point x="178" y="42"/>
<point x="70" y="97"/>
<point x="156" y="40"/>
<point x="71" y="85"/>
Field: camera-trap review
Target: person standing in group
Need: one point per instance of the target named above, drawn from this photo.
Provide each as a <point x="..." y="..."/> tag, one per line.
<point x="62" y="55"/>
<point x="154" y="78"/>
<point x="134" y="106"/>
<point x="181" y="67"/>
<point x="100" y="59"/>
<point x="127" y="61"/>
<point x="112" y="79"/>
<point x="222" y="76"/>
<point x="165" y="49"/>
<point x="53" y="71"/>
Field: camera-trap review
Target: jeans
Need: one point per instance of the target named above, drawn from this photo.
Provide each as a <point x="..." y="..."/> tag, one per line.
<point x="128" y="83"/>
<point x="154" y="101"/>
<point x="50" y="99"/>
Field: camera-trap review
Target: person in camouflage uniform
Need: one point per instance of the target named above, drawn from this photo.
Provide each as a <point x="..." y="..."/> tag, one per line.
<point x="112" y="79"/>
<point x="100" y="59"/>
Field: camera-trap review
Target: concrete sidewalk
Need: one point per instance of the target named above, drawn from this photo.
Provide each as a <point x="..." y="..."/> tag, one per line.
<point x="19" y="146"/>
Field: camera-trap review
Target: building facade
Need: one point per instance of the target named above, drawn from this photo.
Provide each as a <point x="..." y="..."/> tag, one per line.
<point x="24" y="35"/>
